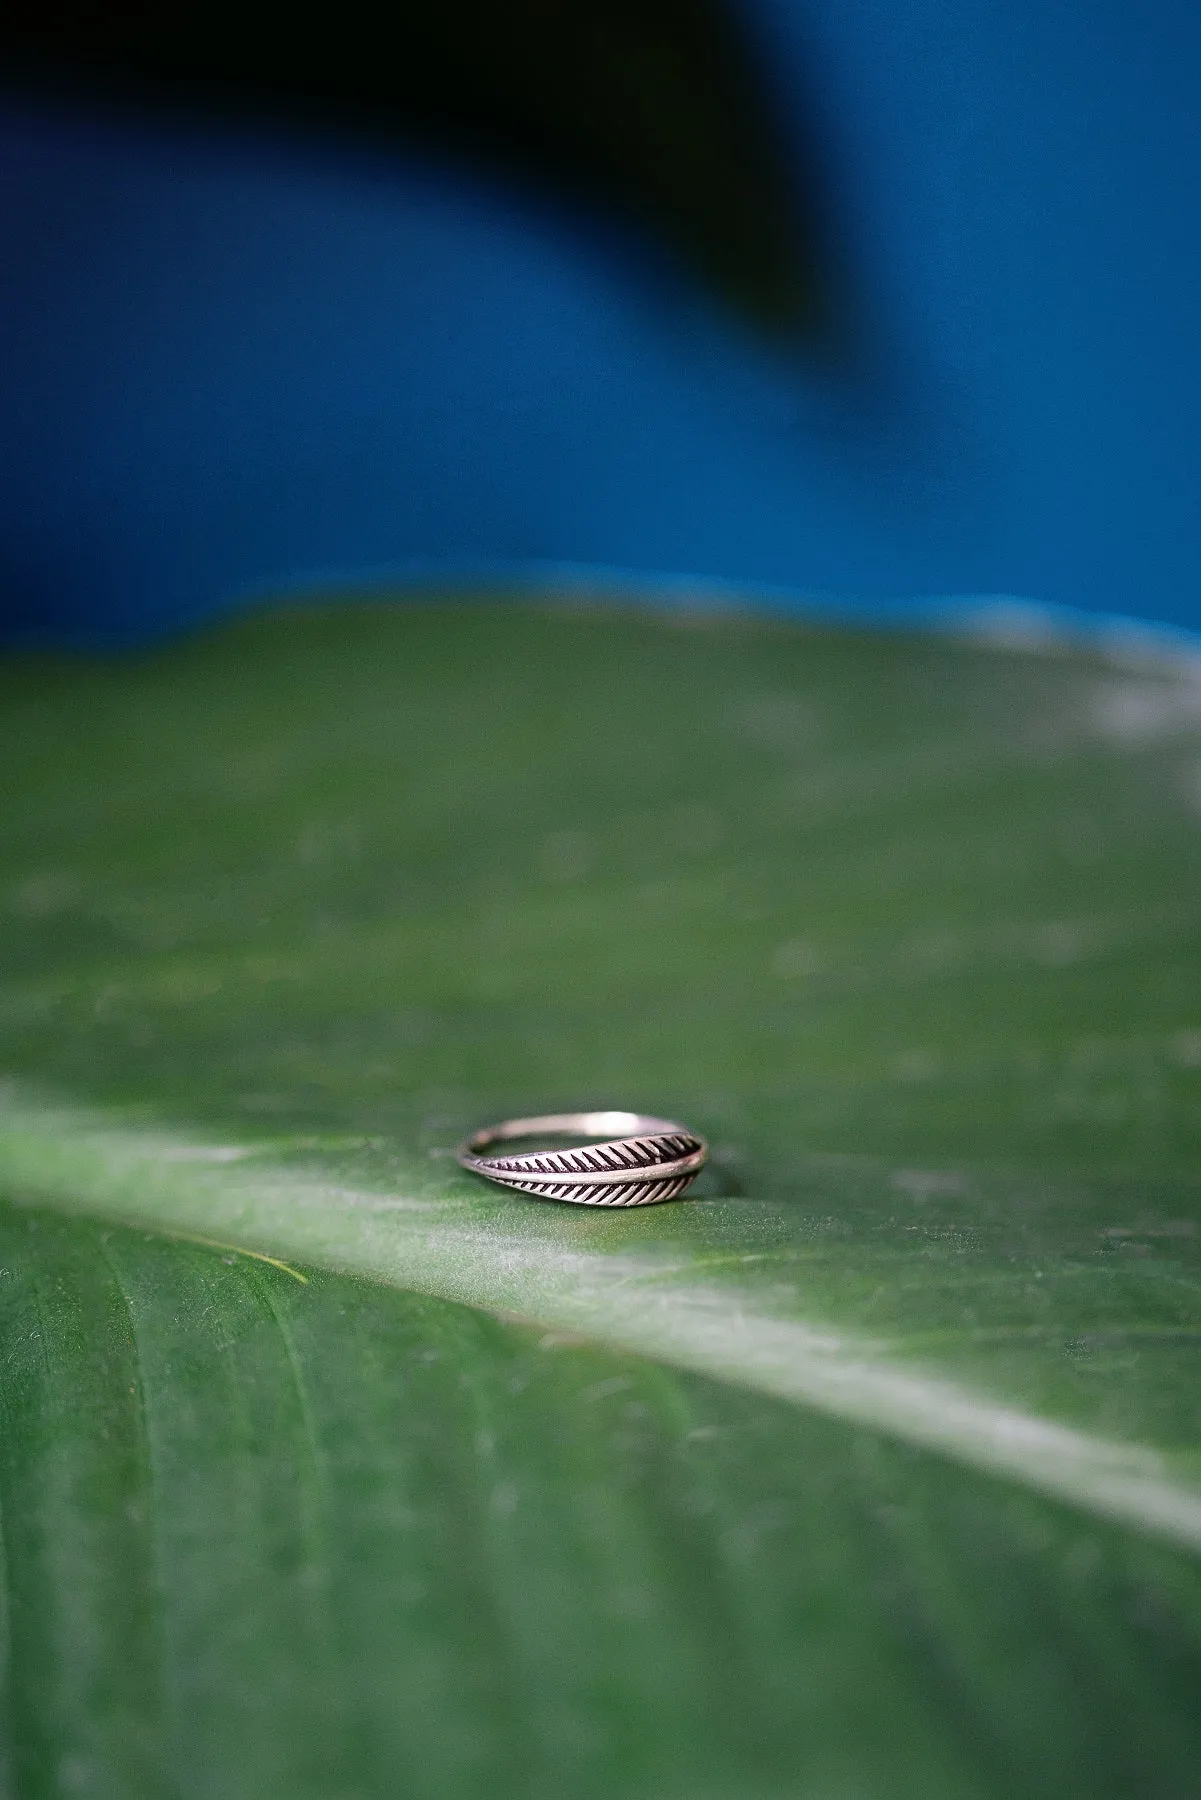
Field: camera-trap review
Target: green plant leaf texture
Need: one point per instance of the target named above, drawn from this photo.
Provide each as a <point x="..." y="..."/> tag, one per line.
<point x="872" y="1471"/>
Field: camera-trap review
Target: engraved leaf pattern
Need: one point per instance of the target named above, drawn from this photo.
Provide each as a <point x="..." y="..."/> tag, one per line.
<point x="537" y="1172"/>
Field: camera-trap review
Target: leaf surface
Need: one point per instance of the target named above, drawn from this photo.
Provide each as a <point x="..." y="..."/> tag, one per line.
<point x="906" y="927"/>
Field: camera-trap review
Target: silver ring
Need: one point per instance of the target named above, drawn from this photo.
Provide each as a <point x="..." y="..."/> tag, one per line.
<point x="631" y="1160"/>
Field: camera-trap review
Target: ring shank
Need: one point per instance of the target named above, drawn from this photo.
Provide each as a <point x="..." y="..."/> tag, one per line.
<point x="599" y="1125"/>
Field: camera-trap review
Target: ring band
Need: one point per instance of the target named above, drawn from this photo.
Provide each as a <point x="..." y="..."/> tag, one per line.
<point x="635" y="1160"/>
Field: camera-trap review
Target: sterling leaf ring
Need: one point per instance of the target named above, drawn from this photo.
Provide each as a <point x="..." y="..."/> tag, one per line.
<point x="625" y="1158"/>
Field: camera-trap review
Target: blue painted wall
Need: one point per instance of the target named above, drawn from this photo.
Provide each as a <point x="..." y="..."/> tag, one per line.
<point x="235" y="364"/>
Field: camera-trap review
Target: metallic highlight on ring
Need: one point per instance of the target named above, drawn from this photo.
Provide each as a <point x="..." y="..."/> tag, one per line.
<point x="637" y="1160"/>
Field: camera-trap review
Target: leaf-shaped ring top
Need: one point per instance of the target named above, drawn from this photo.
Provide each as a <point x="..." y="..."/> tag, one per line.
<point x="634" y="1161"/>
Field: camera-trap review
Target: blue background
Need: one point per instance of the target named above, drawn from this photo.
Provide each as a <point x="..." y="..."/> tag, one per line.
<point x="242" y="363"/>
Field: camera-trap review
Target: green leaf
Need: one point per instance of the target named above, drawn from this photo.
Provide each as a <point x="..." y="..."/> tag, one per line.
<point x="872" y="1471"/>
